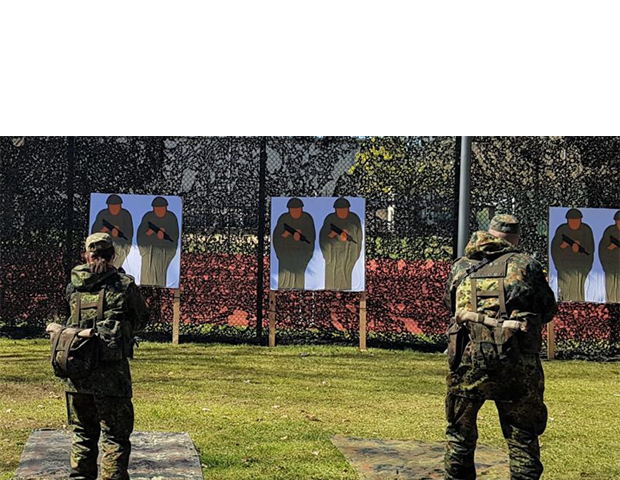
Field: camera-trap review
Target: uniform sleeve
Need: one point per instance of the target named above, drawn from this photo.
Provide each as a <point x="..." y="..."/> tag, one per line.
<point x="536" y="300"/>
<point x="137" y="309"/>
<point x="68" y="291"/>
<point x="448" y="294"/>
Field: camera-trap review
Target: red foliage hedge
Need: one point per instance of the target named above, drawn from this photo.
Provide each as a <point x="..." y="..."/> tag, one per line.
<point x="404" y="300"/>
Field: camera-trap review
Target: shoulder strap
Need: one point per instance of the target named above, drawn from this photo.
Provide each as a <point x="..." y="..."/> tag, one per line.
<point x="475" y="266"/>
<point x="99" y="304"/>
<point x="495" y="269"/>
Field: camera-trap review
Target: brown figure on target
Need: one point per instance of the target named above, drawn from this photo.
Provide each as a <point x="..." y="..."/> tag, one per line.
<point x="609" y="254"/>
<point x="116" y="221"/>
<point x="572" y="250"/>
<point x="293" y="242"/>
<point x="341" y="240"/>
<point x="158" y="240"/>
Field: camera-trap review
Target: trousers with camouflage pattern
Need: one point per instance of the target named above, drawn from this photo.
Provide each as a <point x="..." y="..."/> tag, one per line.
<point x="90" y="415"/>
<point x="522" y="420"/>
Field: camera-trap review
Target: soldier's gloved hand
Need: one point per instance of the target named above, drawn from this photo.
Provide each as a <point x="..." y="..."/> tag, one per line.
<point x="297" y="235"/>
<point x="160" y="234"/>
<point x="115" y="232"/>
<point x="576" y="246"/>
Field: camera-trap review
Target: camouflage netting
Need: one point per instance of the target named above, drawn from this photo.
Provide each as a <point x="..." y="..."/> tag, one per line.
<point x="526" y="176"/>
<point x="408" y="184"/>
<point x="410" y="187"/>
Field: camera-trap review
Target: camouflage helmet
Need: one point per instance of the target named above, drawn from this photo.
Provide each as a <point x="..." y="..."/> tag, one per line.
<point x="114" y="200"/>
<point x="98" y="242"/>
<point x="159" y="202"/>
<point x="342" y="203"/>
<point x="573" y="213"/>
<point x="294" y="203"/>
<point x="617" y="215"/>
<point x="504" y="223"/>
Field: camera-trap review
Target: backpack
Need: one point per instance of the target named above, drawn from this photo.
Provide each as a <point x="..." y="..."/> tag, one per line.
<point x="78" y="351"/>
<point x="493" y="343"/>
<point x="492" y="346"/>
<point x="75" y="351"/>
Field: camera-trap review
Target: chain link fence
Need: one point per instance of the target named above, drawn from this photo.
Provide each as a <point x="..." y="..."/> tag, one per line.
<point x="411" y="191"/>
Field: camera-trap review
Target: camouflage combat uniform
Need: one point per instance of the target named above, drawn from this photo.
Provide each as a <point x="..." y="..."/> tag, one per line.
<point x="102" y="401"/>
<point x="517" y="384"/>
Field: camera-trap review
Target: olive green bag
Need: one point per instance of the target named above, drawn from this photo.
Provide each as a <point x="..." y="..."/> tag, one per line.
<point x="75" y="351"/>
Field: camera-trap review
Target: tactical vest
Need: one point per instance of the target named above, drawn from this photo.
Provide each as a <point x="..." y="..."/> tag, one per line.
<point x="493" y="341"/>
<point x="104" y="311"/>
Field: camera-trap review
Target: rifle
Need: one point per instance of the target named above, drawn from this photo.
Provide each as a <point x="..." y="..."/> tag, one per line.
<point x="156" y="229"/>
<point x="340" y="231"/>
<point x="292" y="231"/>
<point x="615" y="241"/>
<point x="111" y="227"/>
<point x="572" y="242"/>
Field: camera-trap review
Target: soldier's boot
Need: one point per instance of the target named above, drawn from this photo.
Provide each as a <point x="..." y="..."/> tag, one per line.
<point x="462" y="435"/>
<point x="84" y="449"/>
<point x="117" y="418"/>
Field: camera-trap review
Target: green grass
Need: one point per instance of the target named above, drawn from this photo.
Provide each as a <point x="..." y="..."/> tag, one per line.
<point x="258" y="413"/>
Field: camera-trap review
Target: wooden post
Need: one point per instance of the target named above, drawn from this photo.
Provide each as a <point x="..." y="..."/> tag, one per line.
<point x="550" y="341"/>
<point x="176" y="316"/>
<point x="363" y="322"/>
<point x="272" y="318"/>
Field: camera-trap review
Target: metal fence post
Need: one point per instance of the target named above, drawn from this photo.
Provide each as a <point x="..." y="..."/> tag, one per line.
<point x="260" y="255"/>
<point x="464" y="194"/>
<point x="455" y="224"/>
<point x="70" y="209"/>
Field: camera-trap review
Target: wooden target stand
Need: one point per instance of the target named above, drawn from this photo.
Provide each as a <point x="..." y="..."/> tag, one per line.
<point x="176" y="316"/>
<point x="550" y="340"/>
<point x="272" y="320"/>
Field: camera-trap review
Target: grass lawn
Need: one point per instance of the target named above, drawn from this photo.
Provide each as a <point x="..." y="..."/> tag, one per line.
<point x="258" y="413"/>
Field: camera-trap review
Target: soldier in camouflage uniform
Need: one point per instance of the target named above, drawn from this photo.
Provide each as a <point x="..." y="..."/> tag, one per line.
<point x="496" y="363"/>
<point x="102" y="401"/>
